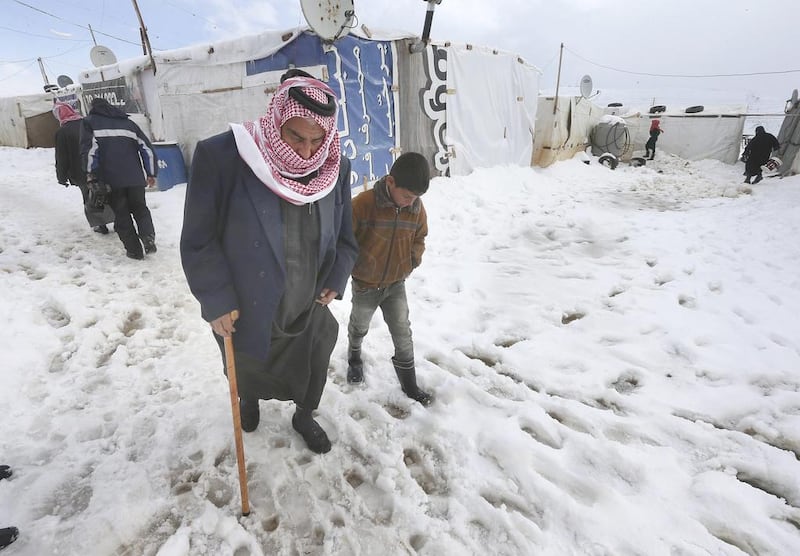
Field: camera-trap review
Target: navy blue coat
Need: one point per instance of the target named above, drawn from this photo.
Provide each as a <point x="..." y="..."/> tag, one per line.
<point x="232" y="241"/>
<point x="114" y="148"/>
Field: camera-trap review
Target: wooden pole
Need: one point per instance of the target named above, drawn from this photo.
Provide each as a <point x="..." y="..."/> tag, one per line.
<point x="230" y="366"/>
<point x="41" y="68"/>
<point x="558" y="77"/>
<point x="148" y="50"/>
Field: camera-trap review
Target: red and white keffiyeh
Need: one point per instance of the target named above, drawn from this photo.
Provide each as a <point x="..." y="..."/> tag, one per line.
<point x="274" y="162"/>
<point x="65" y="113"/>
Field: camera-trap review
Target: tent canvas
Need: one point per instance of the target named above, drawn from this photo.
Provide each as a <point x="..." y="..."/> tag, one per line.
<point x="491" y="108"/>
<point x="196" y="92"/>
<point x="443" y="88"/>
<point x="789" y="138"/>
<point x="391" y="100"/>
<point x="563" y="128"/>
<point x="713" y="134"/>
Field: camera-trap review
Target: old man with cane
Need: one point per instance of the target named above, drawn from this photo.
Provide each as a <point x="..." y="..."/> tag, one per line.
<point x="267" y="244"/>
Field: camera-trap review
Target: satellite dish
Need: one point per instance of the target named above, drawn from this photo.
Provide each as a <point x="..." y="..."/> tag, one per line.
<point x="102" y="56"/>
<point x="586" y="86"/>
<point x="330" y="19"/>
<point x="64" y="80"/>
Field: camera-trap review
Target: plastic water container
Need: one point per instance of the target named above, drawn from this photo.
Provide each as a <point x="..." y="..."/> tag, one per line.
<point x="171" y="168"/>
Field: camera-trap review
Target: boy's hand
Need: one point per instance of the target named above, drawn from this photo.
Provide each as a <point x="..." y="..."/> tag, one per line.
<point x="326" y="296"/>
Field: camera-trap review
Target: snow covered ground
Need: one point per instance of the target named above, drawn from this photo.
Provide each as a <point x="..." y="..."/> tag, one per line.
<point x="615" y="357"/>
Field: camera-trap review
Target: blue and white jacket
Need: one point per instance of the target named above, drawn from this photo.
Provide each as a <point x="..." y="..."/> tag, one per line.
<point x="115" y="149"/>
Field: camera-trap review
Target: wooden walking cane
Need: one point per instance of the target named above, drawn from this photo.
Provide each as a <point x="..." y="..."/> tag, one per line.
<point x="230" y="365"/>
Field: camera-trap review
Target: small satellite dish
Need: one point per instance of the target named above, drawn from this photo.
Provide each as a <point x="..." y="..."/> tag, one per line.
<point x="64" y="80"/>
<point x="102" y="56"/>
<point x="586" y="86"/>
<point x="330" y="19"/>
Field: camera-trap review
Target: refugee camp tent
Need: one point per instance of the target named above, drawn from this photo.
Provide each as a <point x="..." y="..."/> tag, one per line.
<point x="466" y="106"/>
<point x="27" y="120"/>
<point x="490" y="110"/>
<point x="563" y="127"/>
<point x="713" y="133"/>
<point x="460" y="105"/>
<point x="789" y="138"/>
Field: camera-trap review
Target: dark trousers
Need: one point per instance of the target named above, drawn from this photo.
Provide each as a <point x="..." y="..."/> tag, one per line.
<point x="753" y="167"/>
<point x="127" y="201"/>
<point x="650" y="148"/>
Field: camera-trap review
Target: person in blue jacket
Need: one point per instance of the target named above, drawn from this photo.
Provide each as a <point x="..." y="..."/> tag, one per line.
<point x="114" y="151"/>
<point x="267" y="232"/>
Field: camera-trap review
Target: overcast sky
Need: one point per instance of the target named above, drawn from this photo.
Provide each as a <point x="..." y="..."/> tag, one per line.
<point x="621" y="44"/>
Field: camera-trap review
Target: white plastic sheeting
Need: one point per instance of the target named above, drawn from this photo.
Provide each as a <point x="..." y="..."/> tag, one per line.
<point x="565" y="131"/>
<point x="713" y="135"/>
<point x="491" y="108"/>
<point x="789" y="138"/>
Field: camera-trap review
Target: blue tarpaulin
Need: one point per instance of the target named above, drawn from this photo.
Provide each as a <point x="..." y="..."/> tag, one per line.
<point x="361" y="74"/>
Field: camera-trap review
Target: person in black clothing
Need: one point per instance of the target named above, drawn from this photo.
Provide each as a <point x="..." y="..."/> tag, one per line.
<point x="7" y="534"/>
<point x="650" y="146"/>
<point x="69" y="170"/>
<point x="114" y="150"/>
<point x="757" y="153"/>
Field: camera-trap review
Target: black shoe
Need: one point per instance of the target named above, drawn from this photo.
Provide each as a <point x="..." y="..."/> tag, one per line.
<point x="747" y="180"/>
<point x="132" y="255"/>
<point x="149" y="244"/>
<point x="5" y="472"/>
<point x="8" y="535"/>
<point x="355" y="367"/>
<point x="314" y="435"/>
<point x="757" y="179"/>
<point x="101" y="229"/>
<point x="250" y="414"/>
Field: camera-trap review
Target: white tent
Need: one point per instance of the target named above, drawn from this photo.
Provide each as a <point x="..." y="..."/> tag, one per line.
<point x="715" y="133"/>
<point x="711" y="133"/>
<point x="563" y="128"/>
<point x="465" y="106"/>
<point x="491" y="108"/>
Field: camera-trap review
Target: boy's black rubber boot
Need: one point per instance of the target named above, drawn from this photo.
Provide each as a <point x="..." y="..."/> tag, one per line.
<point x="355" y="367"/>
